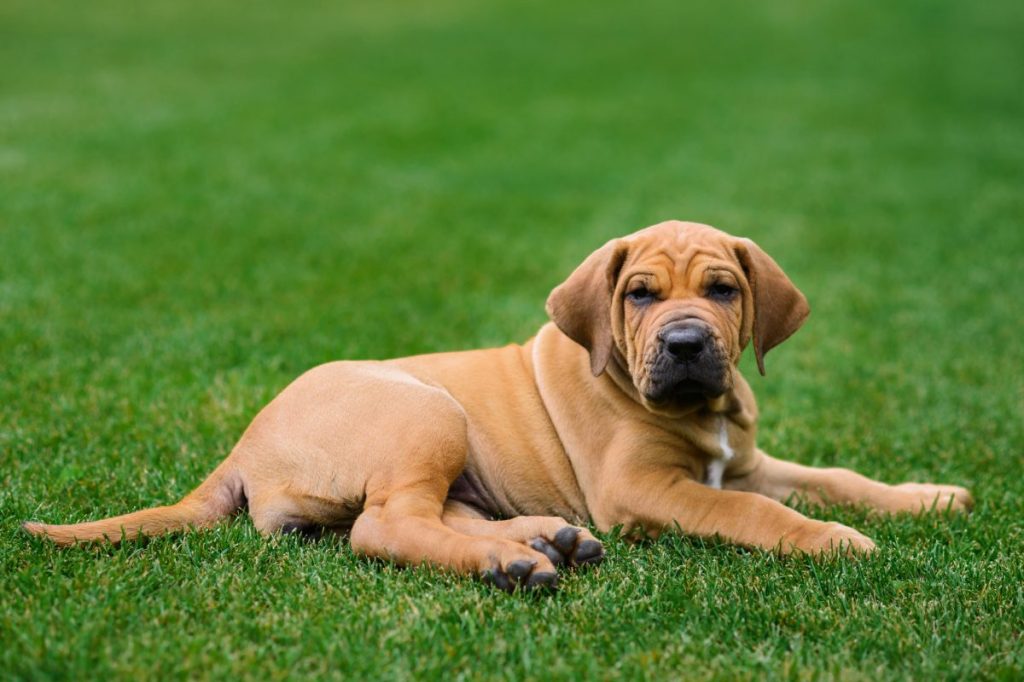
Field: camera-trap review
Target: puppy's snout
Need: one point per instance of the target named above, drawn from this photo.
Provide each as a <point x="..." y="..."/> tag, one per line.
<point x="684" y="343"/>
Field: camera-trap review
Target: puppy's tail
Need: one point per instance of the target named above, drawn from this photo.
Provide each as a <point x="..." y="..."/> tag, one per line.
<point x="217" y="497"/>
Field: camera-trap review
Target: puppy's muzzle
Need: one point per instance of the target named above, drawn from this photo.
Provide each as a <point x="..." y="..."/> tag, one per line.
<point x="688" y="364"/>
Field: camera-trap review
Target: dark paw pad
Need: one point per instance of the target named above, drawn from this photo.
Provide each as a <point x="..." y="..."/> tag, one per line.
<point x="519" y="575"/>
<point x="542" y="581"/>
<point x="517" y="570"/>
<point x="567" y="548"/>
<point x="498" y="578"/>
<point x="565" y="539"/>
<point x="547" y="549"/>
<point x="589" y="553"/>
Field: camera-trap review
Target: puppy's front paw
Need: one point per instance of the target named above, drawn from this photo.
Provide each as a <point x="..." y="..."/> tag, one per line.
<point x="828" y="538"/>
<point x="925" y="497"/>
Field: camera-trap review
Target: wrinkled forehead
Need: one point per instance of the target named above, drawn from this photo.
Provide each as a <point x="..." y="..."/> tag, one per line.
<point x="680" y="248"/>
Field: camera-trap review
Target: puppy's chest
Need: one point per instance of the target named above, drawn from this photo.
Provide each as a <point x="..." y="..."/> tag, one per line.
<point x="719" y="449"/>
<point x="720" y="459"/>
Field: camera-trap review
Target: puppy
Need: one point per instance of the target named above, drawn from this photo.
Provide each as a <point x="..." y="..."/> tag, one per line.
<point x="626" y="410"/>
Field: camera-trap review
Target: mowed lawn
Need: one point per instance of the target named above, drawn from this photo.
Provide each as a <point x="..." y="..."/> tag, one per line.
<point x="200" y="200"/>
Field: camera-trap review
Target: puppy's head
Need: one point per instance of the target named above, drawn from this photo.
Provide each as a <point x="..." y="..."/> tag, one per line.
<point x="675" y="304"/>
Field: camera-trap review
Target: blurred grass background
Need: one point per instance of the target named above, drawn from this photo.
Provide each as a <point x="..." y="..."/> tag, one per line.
<point x="198" y="201"/>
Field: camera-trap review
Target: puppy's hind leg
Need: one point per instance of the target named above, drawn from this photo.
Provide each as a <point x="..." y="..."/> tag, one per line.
<point x="401" y="521"/>
<point x="408" y="530"/>
<point x="553" y="536"/>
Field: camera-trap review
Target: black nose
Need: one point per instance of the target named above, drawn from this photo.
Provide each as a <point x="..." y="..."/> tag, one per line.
<point x="684" y="343"/>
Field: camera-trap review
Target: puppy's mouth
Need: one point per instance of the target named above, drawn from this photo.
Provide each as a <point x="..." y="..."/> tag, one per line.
<point x="683" y="391"/>
<point x="692" y="389"/>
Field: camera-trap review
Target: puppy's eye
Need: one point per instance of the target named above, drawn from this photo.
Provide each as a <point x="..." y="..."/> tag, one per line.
<point x="722" y="292"/>
<point x="640" y="295"/>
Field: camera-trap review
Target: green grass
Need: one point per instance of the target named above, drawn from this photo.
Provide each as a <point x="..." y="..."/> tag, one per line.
<point x="198" y="201"/>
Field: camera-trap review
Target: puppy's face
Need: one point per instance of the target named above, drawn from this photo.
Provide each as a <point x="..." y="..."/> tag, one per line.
<point x="677" y="318"/>
<point x="675" y="305"/>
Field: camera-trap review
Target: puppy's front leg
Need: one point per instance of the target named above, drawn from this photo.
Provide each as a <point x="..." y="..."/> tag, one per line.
<point x="653" y="499"/>
<point x="779" y="480"/>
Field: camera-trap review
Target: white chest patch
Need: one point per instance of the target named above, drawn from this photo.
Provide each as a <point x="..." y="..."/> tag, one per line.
<point x="716" y="467"/>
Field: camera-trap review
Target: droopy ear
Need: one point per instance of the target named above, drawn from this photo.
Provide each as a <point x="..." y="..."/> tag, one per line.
<point x="581" y="305"/>
<point x="779" y="309"/>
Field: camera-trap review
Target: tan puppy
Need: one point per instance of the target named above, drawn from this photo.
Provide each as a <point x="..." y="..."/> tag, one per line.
<point x="628" y="410"/>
